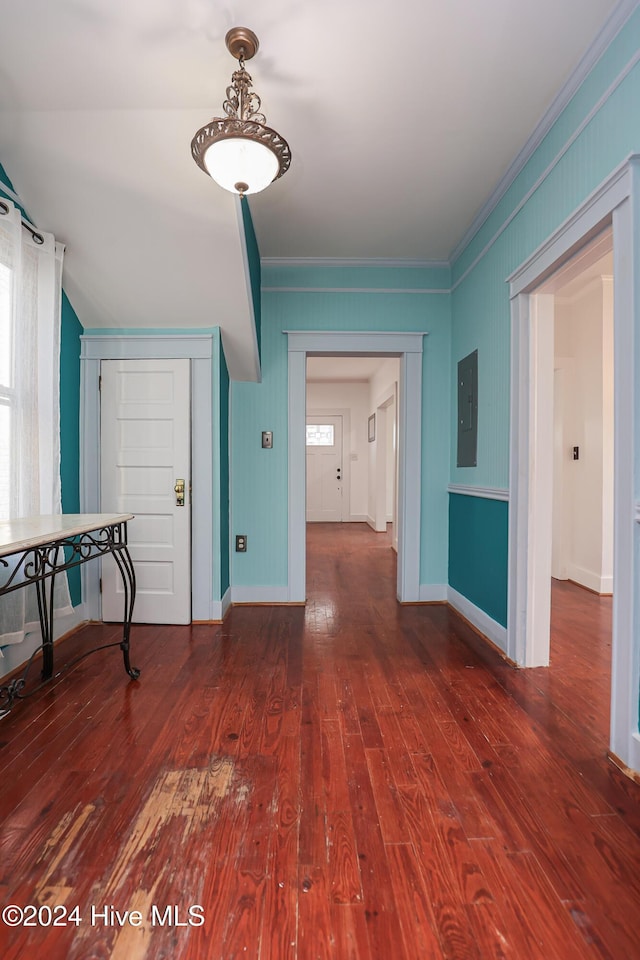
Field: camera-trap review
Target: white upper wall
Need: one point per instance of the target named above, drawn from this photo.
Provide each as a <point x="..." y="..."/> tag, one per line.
<point x="583" y="505"/>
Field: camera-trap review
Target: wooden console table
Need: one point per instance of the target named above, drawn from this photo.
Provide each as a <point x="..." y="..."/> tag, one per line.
<point x="34" y="550"/>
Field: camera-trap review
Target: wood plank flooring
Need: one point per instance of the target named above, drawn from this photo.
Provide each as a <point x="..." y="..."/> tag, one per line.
<point x="352" y="780"/>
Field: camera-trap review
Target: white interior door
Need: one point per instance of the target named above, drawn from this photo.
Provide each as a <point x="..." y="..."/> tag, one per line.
<point x="324" y="469"/>
<point x="145" y="450"/>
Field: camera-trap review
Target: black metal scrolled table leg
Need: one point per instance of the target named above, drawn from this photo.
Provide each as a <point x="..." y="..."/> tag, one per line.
<point x="47" y="557"/>
<point x="55" y="550"/>
<point x="127" y="572"/>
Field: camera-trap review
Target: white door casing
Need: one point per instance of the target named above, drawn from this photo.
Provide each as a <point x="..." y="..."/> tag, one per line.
<point x="383" y="476"/>
<point x="145" y="449"/>
<point x="408" y="346"/>
<point x="325" y="477"/>
<point x="615" y="203"/>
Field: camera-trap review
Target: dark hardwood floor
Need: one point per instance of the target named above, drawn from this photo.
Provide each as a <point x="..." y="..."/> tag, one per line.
<point x="350" y="780"/>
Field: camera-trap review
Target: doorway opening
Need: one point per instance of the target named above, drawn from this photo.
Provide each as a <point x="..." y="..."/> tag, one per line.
<point x="610" y="206"/>
<point x="407" y="348"/>
<point x="352" y="441"/>
<point x="200" y="351"/>
<point x="577" y="306"/>
<point x="571" y="431"/>
<point x="351" y="454"/>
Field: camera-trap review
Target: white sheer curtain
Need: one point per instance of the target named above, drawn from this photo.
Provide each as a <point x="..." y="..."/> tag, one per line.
<point x="30" y="299"/>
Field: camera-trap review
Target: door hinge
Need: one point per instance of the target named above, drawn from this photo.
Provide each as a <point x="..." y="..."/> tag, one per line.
<point x="100" y="382"/>
<point x="100" y="584"/>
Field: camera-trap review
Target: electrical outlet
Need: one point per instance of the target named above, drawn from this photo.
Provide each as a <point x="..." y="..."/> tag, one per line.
<point x="241" y="543"/>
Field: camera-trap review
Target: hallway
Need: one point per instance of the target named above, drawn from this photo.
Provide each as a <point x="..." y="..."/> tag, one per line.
<point x="352" y="780"/>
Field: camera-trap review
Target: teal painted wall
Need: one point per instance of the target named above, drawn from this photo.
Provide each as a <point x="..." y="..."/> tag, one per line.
<point x="596" y="132"/>
<point x="255" y="270"/>
<point x="260" y="477"/>
<point x="224" y="475"/>
<point x="523" y="220"/>
<point x="478" y="538"/>
<point x="357" y="278"/>
<point x="70" y="332"/>
<point x="7" y="182"/>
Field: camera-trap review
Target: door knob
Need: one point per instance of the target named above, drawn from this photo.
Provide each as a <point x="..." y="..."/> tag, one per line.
<point x="179" y="492"/>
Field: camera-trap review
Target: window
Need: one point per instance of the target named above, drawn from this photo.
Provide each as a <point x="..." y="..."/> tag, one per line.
<point x="30" y="292"/>
<point x="7" y="397"/>
<point x="320" y="435"/>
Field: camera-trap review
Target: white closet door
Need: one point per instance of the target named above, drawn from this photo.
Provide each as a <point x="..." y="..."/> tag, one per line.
<point x="145" y="452"/>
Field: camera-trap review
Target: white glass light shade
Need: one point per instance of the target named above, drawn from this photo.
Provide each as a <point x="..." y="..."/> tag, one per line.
<point x="237" y="160"/>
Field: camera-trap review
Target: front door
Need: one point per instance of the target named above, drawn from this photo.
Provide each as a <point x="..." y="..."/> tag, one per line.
<point x="145" y="452"/>
<point x="324" y="468"/>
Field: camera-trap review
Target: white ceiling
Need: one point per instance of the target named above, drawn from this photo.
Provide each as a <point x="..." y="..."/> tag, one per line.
<point x="402" y="118"/>
<point x="342" y="369"/>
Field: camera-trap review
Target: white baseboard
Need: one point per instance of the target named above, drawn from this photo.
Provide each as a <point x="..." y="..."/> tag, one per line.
<point x="634" y="752"/>
<point x="259" y="594"/>
<point x="372" y="524"/>
<point x="219" y="607"/>
<point x="433" y="593"/>
<point x="490" y="628"/>
<point x="352" y="518"/>
<point x="589" y="578"/>
<point x="226" y="601"/>
<point x="80" y="615"/>
<point x="14" y="655"/>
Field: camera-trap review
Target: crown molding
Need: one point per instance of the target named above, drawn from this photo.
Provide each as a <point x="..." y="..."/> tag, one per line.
<point x="350" y="262"/>
<point x="386" y="290"/>
<point x="612" y="26"/>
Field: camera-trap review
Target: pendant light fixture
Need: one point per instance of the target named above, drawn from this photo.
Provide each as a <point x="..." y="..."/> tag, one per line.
<point x="240" y="152"/>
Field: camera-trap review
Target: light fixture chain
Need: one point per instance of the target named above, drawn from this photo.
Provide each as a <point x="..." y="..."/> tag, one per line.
<point x="242" y="104"/>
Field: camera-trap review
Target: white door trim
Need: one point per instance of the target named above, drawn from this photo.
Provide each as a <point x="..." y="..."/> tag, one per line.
<point x="384" y="427"/>
<point x="199" y="348"/>
<point x="409" y="347"/>
<point x="615" y="202"/>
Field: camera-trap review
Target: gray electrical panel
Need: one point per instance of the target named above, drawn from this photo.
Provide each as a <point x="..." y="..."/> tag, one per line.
<point x="468" y="410"/>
